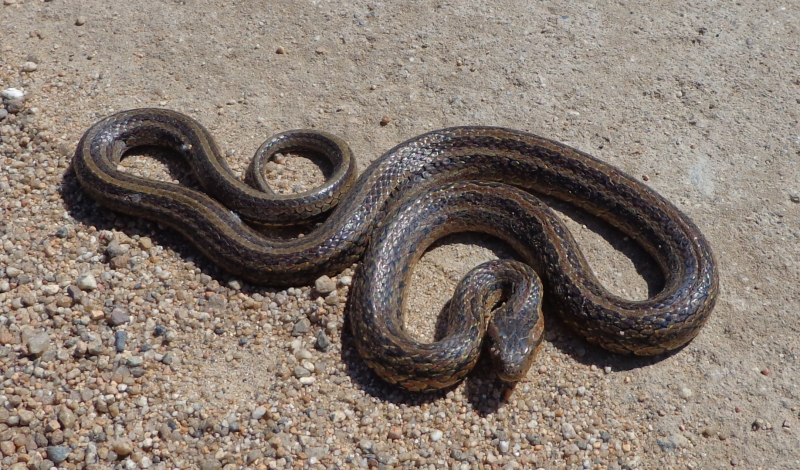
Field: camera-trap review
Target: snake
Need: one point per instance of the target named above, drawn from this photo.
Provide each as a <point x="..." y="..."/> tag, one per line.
<point x="458" y="179"/>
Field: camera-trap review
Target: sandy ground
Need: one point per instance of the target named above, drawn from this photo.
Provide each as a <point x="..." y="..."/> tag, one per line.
<point x="701" y="98"/>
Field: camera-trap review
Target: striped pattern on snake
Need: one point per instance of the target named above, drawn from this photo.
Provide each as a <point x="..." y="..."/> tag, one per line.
<point x="456" y="179"/>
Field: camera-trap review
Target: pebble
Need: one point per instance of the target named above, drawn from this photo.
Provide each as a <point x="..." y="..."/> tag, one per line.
<point x="259" y="413"/>
<point x="119" y="316"/>
<point x="66" y="417"/>
<point x="120" y="338"/>
<point x="14" y="106"/>
<point x="115" y="249"/>
<point x="685" y="392"/>
<point x="337" y="416"/>
<point x="302" y="327"/>
<point x="58" y="454"/>
<point x="568" y="431"/>
<point x="210" y="464"/>
<point x="673" y="442"/>
<point x="122" y="447"/>
<point x="395" y="432"/>
<point x="38" y="344"/>
<point x="324" y="285"/>
<point x="436" y="435"/>
<point x="80" y="21"/>
<point x="12" y="94"/>
<point x="29" y="67"/>
<point x="323" y="343"/>
<point x="86" y="282"/>
<point x="134" y="361"/>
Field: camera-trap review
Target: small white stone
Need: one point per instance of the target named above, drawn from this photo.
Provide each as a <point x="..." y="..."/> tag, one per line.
<point x="685" y="392"/>
<point x="29" y="67"/>
<point x="51" y="289"/>
<point x="325" y="285"/>
<point x="87" y="282"/>
<point x="307" y="380"/>
<point x="12" y="94"/>
<point x="436" y="435"/>
<point x="259" y="412"/>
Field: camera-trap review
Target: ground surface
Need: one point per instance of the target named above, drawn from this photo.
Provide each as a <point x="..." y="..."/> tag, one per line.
<point x="702" y="98"/>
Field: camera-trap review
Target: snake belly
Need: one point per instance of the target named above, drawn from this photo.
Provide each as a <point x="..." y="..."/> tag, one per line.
<point x="459" y="162"/>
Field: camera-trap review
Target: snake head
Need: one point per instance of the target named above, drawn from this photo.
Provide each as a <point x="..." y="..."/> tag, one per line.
<point x="515" y="340"/>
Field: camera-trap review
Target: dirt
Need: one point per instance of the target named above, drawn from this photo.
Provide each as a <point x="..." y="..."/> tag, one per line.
<point x="700" y="100"/>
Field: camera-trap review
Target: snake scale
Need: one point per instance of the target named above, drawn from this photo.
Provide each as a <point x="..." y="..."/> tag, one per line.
<point x="446" y="181"/>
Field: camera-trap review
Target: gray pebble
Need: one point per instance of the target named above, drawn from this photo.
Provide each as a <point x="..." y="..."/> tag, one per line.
<point x="673" y="442"/>
<point x="115" y="249"/>
<point x="91" y="454"/>
<point x="301" y="327"/>
<point x="568" y="431"/>
<point x="38" y="344"/>
<point x="87" y="282"/>
<point x="300" y="371"/>
<point x="120" y="338"/>
<point x="323" y="343"/>
<point x="3" y="113"/>
<point x="63" y="232"/>
<point x="80" y="21"/>
<point x="58" y="454"/>
<point x="253" y="456"/>
<point x="14" y="106"/>
<point x="534" y="439"/>
<point x="135" y="361"/>
<point x="210" y="464"/>
<point x="119" y="316"/>
<point x="95" y="348"/>
<point x="324" y="285"/>
<point x="29" y="67"/>
<point x="259" y="412"/>
<point x="75" y="293"/>
<point x="795" y="198"/>
<point x="170" y="336"/>
<point x="167" y="359"/>
<point x="332" y="298"/>
<point x="217" y="301"/>
<point x="366" y="445"/>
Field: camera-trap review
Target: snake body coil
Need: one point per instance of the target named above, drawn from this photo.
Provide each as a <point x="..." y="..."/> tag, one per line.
<point x="446" y="181"/>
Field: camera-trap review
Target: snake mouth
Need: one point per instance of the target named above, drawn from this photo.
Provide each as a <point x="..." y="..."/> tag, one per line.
<point x="512" y="366"/>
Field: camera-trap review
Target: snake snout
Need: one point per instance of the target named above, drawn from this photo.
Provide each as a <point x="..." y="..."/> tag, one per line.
<point x="512" y="362"/>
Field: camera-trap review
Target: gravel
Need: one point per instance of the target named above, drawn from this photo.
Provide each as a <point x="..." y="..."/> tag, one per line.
<point x="123" y="347"/>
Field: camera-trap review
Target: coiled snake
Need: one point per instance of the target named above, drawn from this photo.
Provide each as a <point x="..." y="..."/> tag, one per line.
<point x="445" y="181"/>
